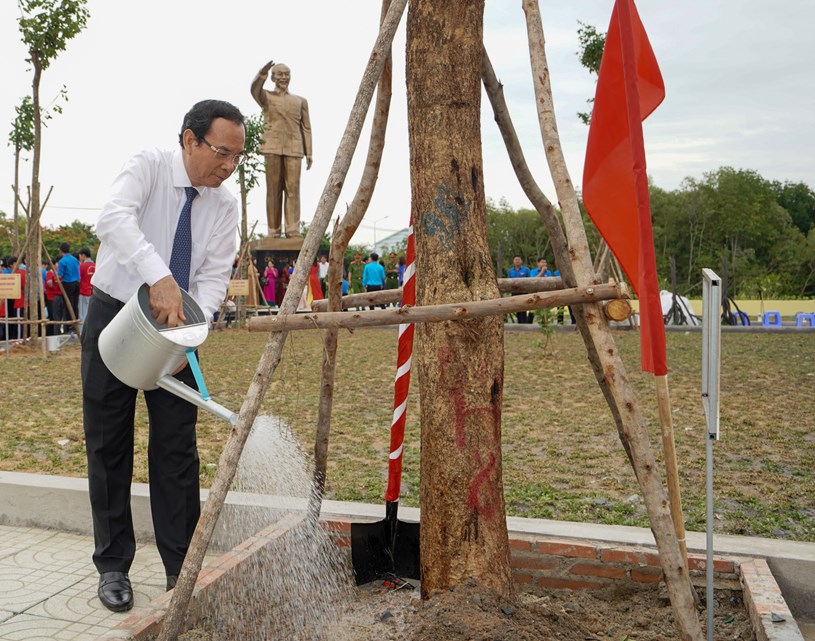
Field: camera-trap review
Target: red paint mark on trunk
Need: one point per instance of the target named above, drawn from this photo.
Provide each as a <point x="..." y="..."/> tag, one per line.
<point x="482" y="502"/>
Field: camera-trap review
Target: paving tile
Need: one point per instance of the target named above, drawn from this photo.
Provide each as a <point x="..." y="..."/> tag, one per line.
<point x="22" y="588"/>
<point x="59" y="552"/>
<point x="80" y="604"/>
<point x="5" y="614"/>
<point x="25" y="627"/>
<point x="14" y="539"/>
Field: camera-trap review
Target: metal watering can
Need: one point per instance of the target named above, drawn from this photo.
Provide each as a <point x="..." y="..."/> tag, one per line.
<point x="143" y="354"/>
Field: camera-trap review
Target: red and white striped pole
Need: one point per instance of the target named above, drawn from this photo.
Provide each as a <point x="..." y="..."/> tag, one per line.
<point x="401" y="386"/>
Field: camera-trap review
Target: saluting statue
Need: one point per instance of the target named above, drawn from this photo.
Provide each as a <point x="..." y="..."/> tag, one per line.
<point x="286" y="139"/>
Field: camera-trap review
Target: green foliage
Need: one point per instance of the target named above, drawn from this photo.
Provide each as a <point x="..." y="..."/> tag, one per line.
<point x="21" y="136"/>
<point x="799" y="200"/>
<point x="546" y="320"/>
<point x="47" y="26"/>
<point x="248" y="174"/>
<point x="592" y="43"/>
<point x="515" y="233"/>
<point x="77" y="233"/>
<point x="737" y="216"/>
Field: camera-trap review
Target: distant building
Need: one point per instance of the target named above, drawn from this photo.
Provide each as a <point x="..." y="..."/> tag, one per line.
<point x="390" y="243"/>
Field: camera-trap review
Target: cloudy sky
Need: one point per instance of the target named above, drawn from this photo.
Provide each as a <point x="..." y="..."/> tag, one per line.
<point x="738" y="75"/>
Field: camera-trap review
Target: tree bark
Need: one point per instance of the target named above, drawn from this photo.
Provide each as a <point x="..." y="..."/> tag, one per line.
<point x="460" y="364"/>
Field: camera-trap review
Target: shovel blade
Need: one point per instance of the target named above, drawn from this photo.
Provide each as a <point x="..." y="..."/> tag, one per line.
<point x="374" y="555"/>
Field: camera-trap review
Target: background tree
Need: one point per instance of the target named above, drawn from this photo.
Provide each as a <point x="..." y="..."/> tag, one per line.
<point x="21" y="139"/>
<point x="799" y="200"/>
<point x="460" y="364"/>
<point x="46" y="27"/>
<point x="592" y="43"/>
<point x="248" y="174"/>
<point x="515" y="233"/>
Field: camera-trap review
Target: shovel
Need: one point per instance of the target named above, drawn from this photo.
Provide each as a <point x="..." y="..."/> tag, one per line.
<point x="390" y="548"/>
<point x="387" y="548"/>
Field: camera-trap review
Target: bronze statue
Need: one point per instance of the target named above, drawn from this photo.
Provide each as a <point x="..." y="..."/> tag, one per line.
<point x="286" y="139"/>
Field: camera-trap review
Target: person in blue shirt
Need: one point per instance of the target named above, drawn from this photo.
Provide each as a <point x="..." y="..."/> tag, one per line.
<point x="519" y="270"/>
<point x="373" y="276"/>
<point x="542" y="270"/>
<point x="68" y="273"/>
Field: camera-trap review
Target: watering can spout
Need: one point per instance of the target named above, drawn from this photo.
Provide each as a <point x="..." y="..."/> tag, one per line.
<point x="176" y="387"/>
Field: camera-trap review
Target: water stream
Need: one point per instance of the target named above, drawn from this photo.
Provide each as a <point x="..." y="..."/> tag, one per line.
<point x="296" y="587"/>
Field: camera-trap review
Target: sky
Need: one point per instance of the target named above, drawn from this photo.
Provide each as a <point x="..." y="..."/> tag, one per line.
<point x="738" y="76"/>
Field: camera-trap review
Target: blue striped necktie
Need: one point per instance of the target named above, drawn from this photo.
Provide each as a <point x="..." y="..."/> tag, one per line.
<point x="182" y="244"/>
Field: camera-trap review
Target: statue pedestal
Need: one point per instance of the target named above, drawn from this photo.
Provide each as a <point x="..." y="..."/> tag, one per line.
<point x="270" y="244"/>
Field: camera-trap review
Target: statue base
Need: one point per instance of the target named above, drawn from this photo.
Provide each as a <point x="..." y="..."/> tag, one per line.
<point x="277" y="244"/>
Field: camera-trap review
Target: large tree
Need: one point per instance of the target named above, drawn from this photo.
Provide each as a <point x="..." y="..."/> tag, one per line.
<point x="460" y="364"/>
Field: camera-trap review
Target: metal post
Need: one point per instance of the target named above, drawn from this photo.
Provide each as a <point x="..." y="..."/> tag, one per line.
<point x="711" y="358"/>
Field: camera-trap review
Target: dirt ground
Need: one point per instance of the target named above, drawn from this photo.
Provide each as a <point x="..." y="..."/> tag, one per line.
<point x="378" y="613"/>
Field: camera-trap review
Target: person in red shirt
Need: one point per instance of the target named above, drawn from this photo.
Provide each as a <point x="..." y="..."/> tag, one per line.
<point x="86" y="270"/>
<point x="51" y="294"/>
<point x="19" y="303"/>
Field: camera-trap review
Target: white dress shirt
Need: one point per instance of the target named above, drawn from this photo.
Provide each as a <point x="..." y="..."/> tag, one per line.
<point x="137" y="228"/>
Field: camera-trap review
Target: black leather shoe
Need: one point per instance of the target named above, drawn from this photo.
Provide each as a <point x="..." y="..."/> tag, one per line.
<point x="115" y="591"/>
<point x="172" y="579"/>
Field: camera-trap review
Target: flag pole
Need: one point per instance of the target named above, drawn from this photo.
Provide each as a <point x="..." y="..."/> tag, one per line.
<point x="653" y="316"/>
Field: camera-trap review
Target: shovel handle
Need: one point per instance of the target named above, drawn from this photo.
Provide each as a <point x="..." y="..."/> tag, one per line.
<point x="401" y="387"/>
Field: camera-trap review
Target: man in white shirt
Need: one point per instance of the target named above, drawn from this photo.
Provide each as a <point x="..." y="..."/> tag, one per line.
<point x="322" y="271"/>
<point x="154" y="192"/>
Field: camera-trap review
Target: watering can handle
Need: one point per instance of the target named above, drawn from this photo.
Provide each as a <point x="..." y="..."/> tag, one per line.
<point x="197" y="374"/>
<point x="174" y="386"/>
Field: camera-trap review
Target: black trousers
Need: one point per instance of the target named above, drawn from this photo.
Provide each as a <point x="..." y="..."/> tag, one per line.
<point x="109" y="407"/>
<point x="374" y="288"/>
<point x="72" y="292"/>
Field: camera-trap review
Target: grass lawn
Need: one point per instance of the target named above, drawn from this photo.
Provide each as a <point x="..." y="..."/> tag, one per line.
<point x="562" y="456"/>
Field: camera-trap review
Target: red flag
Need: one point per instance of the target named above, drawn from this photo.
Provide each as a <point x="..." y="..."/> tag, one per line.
<point x="615" y="183"/>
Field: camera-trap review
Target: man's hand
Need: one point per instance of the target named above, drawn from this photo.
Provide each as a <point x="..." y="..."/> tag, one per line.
<point x="265" y="70"/>
<point x="308" y="163"/>
<point x="166" y="302"/>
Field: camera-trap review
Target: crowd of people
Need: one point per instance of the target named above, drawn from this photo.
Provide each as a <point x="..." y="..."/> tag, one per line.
<point x="363" y="274"/>
<point x="66" y="292"/>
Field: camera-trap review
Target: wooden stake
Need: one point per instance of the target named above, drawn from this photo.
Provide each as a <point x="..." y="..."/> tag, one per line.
<point x="388" y="296"/>
<point x="270" y="358"/>
<point x="603" y="354"/>
<point x="340" y="239"/>
<point x="439" y="313"/>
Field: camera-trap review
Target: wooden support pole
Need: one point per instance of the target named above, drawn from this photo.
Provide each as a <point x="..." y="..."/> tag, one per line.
<point x="439" y="313"/>
<point x="388" y="296"/>
<point x="228" y="464"/>
<point x="603" y="354"/>
<point x="341" y="237"/>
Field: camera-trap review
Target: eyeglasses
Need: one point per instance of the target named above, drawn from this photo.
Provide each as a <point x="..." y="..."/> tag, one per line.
<point x="222" y="154"/>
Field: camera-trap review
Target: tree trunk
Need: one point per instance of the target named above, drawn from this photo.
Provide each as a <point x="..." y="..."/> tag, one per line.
<point x="31" y="250"/>
<point x="460" y="364"/>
